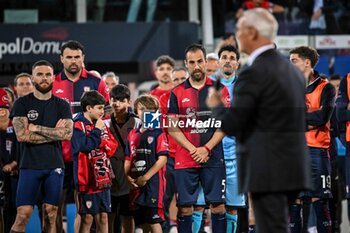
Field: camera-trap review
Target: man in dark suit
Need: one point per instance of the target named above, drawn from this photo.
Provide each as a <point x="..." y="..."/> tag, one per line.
<point x="267" y="116"/>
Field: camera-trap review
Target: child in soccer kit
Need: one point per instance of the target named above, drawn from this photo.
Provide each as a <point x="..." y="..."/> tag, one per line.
<point x="92" y="146"/>
<point x="146" y="156"/>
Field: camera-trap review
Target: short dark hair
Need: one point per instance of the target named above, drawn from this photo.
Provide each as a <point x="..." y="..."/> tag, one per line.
<point x="120" y="92"/>
<point x="228" y="35"/>
<point x="334" y="77"/>
<point x="91" y="98"/>
<point x="73" y="45"/>
<point x="229" y="48"/>
<point x="195" y="47"/>
<point x="306" y="52"/>
<point x="23" y="74"/>
<point x="165" y="59"/>
<point x="42" y="63"/>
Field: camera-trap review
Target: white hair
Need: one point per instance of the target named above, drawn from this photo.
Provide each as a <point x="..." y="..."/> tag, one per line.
<point x="212" y="56"/>
<point x="263" y="21"/>
<point x="110" y="74"/>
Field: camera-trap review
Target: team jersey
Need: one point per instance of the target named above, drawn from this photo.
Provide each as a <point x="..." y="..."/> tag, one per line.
<point x="163" y="103"/>
<point x="188" y="105"/>
<point x="72" y="92"/>
<point x="143" y="151"/>
<point x="320" y="96"/>
<point x="8" y="137"/>
<point x="229" y="142"/>
<point x="45" y="113"/>
<point x="343" y="99"/>
<point x="92" y="149"/>
<point x="157" y="92"/>
<point x="8" y="142"/>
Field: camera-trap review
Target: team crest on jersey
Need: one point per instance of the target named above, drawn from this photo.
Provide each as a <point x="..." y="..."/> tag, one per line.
<point x="150" y="139"/>
<point x="88" y="204"/>
<point x="86" y="88"/>
<point x="32" y="115"/>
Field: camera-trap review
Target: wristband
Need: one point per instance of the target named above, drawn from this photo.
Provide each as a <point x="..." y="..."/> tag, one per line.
<point x="207" y="148"/>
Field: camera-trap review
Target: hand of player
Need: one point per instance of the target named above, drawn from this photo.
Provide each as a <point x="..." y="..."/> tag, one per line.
<point x="214" y="98"/>
<point x="3" y="112"/>
<point x="32" y="127"/>
<point x="132" y="183"/>
<point x="99" y="123"/>
<point x="201" y="155"/>
<point x="7" y="168"/>
<point x="10" y="167"/>
<point x="141" y="181"/>
<point x="348" y="107"/>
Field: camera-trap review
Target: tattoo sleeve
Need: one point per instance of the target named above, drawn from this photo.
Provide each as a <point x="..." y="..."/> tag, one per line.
<point x="57" y="133"/>
<point x="20" y="125"/>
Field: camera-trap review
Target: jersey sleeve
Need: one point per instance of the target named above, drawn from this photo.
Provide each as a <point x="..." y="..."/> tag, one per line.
<point x="65" y="110"/>
<point x="82" y="142"/>
<point x="342" y="112"/>
<point x="130" y="146"/>
<point x="162" y="145"/>
<point x="173" y="104"/>
<point x="108" y="143"/>
<point x="103" y="90"/>
<point x="19" y="109"/>
<point x="226" y="97"/>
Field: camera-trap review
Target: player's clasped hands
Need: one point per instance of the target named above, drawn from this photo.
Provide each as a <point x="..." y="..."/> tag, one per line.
<point x="200" y="155"/>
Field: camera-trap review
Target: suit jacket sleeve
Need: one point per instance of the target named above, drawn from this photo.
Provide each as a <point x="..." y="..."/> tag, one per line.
<point x="237" y="118"/>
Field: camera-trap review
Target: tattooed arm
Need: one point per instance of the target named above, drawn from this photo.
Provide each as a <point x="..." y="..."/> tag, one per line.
<point x="23" y="134"/>
<point x="62" y="131"/>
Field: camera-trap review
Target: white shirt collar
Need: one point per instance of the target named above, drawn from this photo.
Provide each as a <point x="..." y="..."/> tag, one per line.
<point x="257" y="52"/>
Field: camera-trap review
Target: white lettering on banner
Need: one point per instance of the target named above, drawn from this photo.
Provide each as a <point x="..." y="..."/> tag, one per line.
<point x="28" y="45"/>
<point x="288" y="42"/>
<point x="332" y="42"/>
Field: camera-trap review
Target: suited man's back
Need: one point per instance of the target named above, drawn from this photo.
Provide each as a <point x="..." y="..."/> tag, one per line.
<point x="272" y="153"/>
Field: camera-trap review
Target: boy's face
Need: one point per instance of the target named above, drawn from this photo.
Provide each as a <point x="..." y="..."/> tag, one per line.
<point x="140" y="109"/>
<point x="120" y="106"/>
<point x="95" y="112"/>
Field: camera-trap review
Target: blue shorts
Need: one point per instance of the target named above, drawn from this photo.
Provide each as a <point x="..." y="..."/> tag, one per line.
<point x="30" y="181"/>
<point x="95" y="203"/>
<point x="144" y="214"/>
<point x="233" y="198"/>
<point x="212" y="180"/>
<point x="320" y="170"/>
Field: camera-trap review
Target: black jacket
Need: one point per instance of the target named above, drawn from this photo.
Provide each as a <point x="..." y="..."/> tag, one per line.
<point x="267" y="116"/>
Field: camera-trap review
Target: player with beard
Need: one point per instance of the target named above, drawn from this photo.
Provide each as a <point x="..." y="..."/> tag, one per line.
<point x="229" y="63"/>
<point x="70" y="84"/>
<point x="199" y="156"/>
<point x="41" y="121"/>
<point x="164" y="67"/>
